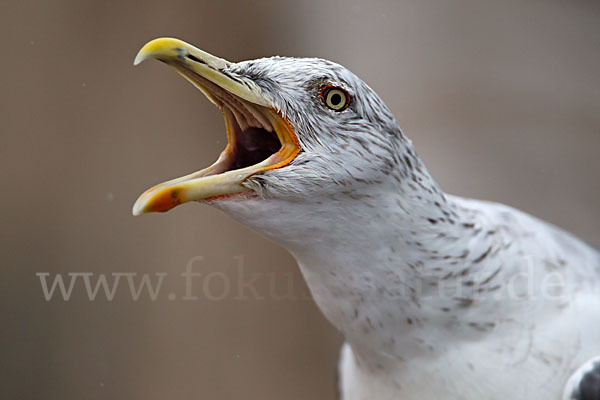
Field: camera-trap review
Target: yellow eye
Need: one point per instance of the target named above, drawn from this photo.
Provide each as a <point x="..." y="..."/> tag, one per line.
<point x="335" y="98"/>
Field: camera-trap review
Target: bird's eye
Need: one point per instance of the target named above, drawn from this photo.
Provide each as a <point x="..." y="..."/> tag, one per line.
<point x="335" y="98"/>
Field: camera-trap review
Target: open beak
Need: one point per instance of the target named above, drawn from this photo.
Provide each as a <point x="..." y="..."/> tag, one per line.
<point x="258" y="137"/>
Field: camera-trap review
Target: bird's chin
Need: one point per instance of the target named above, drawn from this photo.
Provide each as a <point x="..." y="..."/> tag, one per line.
<point x="258" y="137"/>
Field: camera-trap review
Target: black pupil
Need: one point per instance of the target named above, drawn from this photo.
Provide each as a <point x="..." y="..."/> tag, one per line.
<point x="335" y="99"/>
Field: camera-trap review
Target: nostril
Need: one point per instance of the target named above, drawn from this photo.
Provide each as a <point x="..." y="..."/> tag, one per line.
<point x="194" y="58"/>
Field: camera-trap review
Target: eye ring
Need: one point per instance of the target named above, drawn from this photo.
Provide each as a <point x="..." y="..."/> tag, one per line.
<point x="335" y="98"/>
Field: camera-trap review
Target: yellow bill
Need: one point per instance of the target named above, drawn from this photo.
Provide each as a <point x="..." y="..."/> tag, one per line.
<point x="258" y="137"/>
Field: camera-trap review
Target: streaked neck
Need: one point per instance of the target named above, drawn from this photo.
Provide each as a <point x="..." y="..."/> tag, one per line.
<point x="375" y="259"/>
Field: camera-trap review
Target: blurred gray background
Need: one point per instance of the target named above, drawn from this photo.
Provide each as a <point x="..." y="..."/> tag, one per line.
<point x="501" y="98"/>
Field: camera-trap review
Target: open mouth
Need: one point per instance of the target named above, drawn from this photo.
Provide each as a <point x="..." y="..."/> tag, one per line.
<point x="258" y="137"/>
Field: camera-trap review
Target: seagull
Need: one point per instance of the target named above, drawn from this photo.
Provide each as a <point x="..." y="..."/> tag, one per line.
<point x="437" y="296"/>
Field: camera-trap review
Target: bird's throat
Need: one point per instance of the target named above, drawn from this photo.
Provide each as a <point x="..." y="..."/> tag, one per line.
<point x="373" y="263"/>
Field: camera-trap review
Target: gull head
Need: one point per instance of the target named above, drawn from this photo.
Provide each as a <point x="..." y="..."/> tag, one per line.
<point x="298" y="129"/>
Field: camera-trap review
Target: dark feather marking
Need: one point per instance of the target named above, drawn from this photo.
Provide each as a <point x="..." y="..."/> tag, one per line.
<point x="484" y="255"/>
<point x="489" y="278"/>
<point x="482" y="327"/>
<point x="464" y="302"/>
